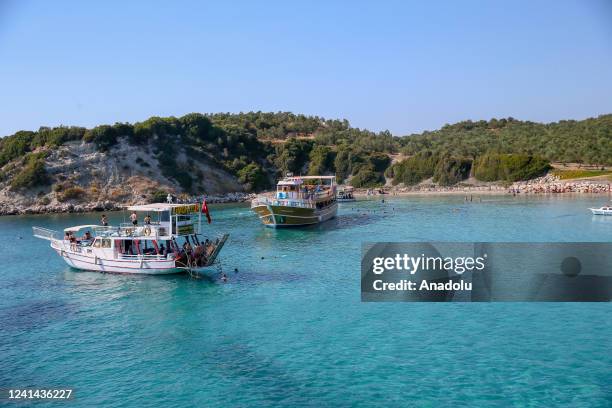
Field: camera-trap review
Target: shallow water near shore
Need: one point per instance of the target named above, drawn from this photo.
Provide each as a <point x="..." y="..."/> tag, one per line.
<point x="289" y="328"/>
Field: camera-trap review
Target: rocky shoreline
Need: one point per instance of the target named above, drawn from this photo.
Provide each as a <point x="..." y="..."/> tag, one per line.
<point x="548" y="184"/>
<point x="544" y="185"/>
<point x="551" y="184"/>
<point x="8" y="209"/>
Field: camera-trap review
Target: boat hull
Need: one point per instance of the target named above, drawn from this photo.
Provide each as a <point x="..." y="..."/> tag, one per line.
<point x="146" y="267"/>
<point x="599" y="211"/>
<point x="279" y="216"/>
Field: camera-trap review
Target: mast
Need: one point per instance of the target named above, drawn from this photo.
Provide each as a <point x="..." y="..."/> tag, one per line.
<point x="200" y="218"/>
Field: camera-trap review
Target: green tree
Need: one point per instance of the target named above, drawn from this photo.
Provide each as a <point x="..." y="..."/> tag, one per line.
<point x="321" y="161"/>
<point x="450" y="170"/>
<point x="103" y="136"/>
<point x="367" y="177"/>
<point x="292" y="156"/>
<point x="253" y="177"/>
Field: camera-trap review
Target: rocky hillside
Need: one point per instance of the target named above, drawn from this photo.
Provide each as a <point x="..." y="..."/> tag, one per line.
<point x="79" y="177"/>
<point x="79" y="169"/>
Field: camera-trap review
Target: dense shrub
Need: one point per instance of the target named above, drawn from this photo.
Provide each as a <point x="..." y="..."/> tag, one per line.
<point x="342" y="164"/>
<point x="15" y="146"/>
<point x="124" y="130"/>
<point x="380" y="161"/>
<point x="367" y="177"/>
<point x="321" y="161"/>
<point x="509" y="167"/>
<point x="292" y="156"/>
<point x="33" y="173"/>
<point x="414" y="169"/>
<point x="444" y="170"/>
<point x="72" y="193"/>
<point x="197" y="126"/>
<point x="584" y="141"/>
<point x="253" y="177"/>
<point x="103" y="136"/>
<point x="450" y="170"/>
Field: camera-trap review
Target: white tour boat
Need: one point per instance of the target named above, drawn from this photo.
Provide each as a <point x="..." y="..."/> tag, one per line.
<point x="169" y="243"/>
<point x="605" y="210"/>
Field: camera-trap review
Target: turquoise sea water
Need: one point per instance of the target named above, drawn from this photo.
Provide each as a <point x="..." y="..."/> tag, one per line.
<point x="289" y="328"/>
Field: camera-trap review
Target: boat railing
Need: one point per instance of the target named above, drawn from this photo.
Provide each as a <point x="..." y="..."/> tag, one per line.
<point x="138" y="257"/>
<point x="301" y="195"/>
<point x="45" y="233"/>
<point x="131" y="231"/>
<point x="64" y="245"/>
<point x="263" y="200"/>
<point x="288" y="195"/>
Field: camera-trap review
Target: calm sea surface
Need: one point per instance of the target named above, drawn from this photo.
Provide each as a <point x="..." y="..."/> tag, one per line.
<point x="289" y="329"/>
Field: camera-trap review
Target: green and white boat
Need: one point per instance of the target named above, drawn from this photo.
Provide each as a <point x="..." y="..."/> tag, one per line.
<point x="298" y="201"/>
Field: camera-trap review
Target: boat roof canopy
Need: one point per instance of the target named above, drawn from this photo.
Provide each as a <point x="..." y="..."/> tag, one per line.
<point x="158" y="207"/>
<point x="293" y="181"/>
<point x="78" y="228"/>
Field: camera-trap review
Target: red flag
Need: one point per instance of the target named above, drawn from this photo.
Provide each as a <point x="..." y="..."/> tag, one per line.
<point x="205" y="211"/>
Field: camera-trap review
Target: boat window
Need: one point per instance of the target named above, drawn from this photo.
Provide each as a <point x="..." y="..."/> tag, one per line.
<point x="96" y="243"/>
<point x="106" y="243"/>
<point x="164" y="216"/>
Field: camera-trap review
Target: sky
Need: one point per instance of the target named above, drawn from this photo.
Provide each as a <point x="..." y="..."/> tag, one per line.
<point x="403" y="66"/>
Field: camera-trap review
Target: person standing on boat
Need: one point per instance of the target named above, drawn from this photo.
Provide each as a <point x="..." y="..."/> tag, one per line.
<point x="104" y="220"/>
<point x="134" y="219"/>
<point x="147" y="219"/>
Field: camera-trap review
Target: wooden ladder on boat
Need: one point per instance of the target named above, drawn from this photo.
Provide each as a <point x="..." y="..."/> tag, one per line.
<point x="218" y="245"/>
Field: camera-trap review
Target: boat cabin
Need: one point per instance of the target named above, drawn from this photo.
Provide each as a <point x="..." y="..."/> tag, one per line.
<point x="155" y="232"/>
<point x="305" y="188"/>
